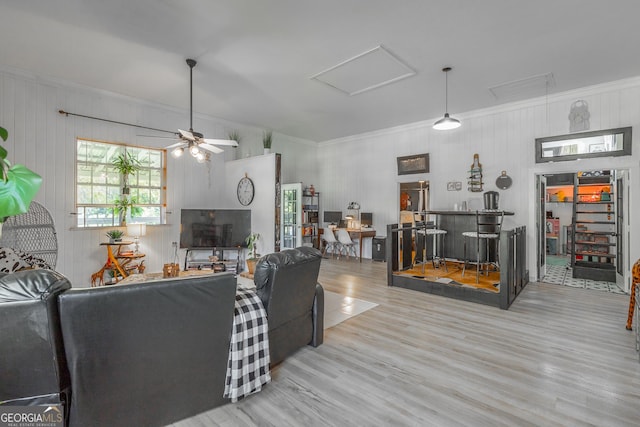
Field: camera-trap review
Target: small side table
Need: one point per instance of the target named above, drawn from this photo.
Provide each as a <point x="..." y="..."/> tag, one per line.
<point x="118" y="261"/>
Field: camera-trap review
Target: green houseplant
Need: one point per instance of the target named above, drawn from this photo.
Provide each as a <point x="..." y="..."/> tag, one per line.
<point x="124" y="205"/>
<point x="267" y="139"/>
<point x="126" y="165"/>
<point x="18" y="185"/>
<point x="235" y="136"/>
<point x="114" y="235"/>
<point x="252" y="256"/>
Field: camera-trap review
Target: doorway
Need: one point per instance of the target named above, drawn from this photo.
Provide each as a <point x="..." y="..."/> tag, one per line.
<point x="581" y="222"/>
<point x="414" y="200"/>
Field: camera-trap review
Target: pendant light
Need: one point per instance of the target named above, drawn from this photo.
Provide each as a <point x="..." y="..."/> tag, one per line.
<point x="446" y="122"/>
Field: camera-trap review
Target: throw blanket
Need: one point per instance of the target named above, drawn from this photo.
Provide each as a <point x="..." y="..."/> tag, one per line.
<point x="248" y="368"/>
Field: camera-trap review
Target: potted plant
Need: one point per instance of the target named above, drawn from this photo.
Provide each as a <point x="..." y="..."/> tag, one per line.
<point x="114" y="236"/>
<point x="234" y="135"/>
<point x="267" y="138"/>
<point x="124" y="205"/>
<point x="126" y="165"/>
<point x="252" y="256"/>
<point x="18" y="185"/>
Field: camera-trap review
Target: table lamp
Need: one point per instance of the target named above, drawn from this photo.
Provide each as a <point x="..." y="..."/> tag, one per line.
<point x="136" y="231"/>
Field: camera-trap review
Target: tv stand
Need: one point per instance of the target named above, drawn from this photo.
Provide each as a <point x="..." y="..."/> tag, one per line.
<point x="198" y="259"/>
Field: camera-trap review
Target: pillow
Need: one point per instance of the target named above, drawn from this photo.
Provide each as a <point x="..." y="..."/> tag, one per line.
<point x="11" y="261"/>
<point x="15" y="260"/>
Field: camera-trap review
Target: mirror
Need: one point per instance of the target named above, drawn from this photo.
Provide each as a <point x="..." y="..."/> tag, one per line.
<point x="603" y="143"/>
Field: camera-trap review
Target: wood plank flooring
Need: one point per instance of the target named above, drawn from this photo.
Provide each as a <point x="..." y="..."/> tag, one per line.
<point x="559" y="356"/>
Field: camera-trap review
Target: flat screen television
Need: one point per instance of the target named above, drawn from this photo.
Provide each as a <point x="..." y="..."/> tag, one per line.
<point x="332" y="217"/>
<point x="214" y="228"/>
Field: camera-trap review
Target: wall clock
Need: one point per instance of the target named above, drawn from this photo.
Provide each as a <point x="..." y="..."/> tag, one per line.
<point x="246" y="191"/>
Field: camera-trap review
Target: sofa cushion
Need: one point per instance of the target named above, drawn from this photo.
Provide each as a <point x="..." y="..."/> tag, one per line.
<point x="12" y="260"/>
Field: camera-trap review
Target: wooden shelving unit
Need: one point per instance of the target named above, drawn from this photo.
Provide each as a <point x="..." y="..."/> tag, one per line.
<point x="593" y="254"/>
<point x="310" y="219"/>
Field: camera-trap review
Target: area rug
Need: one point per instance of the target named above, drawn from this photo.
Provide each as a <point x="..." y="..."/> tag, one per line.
<point x="338" y="308"/>
<point x="453" y="276"/>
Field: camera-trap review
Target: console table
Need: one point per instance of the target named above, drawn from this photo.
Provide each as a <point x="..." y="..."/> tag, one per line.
<point x="118" y="261"/>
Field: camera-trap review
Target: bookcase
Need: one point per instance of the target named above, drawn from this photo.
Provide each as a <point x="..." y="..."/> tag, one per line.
<point x="310" y="219"/>
<point x="594" y="227"/>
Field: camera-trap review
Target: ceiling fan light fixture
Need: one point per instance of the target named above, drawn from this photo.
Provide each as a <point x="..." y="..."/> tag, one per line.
<point x="177" y="152"/>
<point x="447" y="122"/>
<point x="194" y="150"/>
<point x="201" y="157"/>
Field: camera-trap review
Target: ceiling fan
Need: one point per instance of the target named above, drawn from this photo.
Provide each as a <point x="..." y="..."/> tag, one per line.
<point x="195" y="142"/>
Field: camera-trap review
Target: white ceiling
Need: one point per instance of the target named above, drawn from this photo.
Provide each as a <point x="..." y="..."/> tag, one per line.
<point x="256" y="57"/>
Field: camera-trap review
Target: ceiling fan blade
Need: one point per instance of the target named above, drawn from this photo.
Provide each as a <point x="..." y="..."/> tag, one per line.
<point x="229" y="142"/>
<point x="186" y="135"/>
<point x="177" y="144"/>
<point x="211" y="148"/>
<point x="156" y="136"/>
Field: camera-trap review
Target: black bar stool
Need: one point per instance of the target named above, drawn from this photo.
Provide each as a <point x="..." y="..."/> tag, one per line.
<point x="488" y="226"/>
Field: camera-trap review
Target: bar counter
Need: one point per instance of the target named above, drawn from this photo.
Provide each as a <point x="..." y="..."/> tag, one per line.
<point x="456" y="223"/>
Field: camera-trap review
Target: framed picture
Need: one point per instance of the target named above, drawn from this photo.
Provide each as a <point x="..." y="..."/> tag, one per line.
<point x="418" y="163"/>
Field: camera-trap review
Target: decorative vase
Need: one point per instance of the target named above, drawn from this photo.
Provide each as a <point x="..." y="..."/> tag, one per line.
<point x="312" y="190"/>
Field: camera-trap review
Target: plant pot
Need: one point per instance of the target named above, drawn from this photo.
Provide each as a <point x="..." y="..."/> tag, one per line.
<point x="126" y="190"/>
<point x="251" y="264"/>
<point x="267" y="151"/>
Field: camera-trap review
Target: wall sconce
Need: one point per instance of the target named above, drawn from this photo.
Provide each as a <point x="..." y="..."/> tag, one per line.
<point x="136" y="231"/>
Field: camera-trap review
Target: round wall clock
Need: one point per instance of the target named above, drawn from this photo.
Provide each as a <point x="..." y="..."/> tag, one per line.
<point x="246" y="191"/>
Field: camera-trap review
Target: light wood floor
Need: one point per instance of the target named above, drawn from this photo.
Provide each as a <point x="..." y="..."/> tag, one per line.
<point x="558" y="356"/>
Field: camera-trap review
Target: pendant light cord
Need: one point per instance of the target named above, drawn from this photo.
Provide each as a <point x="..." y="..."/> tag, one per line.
<point x="446" y="91"/>
<point x="191" y="63"/>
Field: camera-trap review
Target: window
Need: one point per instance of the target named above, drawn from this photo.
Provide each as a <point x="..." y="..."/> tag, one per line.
<point x="99" y="185"/>
<point x="603" y="143"/>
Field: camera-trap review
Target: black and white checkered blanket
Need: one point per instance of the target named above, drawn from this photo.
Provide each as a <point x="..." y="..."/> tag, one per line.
<point x="248" y="368"/>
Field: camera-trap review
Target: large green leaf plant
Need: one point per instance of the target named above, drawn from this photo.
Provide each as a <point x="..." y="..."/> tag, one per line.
<point x="18" y="185"/>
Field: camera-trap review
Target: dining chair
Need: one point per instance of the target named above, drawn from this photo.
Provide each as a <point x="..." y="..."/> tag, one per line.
<point x="346" y="243"/>
<point x="330" y="242"/>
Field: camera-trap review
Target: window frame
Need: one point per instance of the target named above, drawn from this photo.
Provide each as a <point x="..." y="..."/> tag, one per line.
<point x="133" y="185"/>
<point x="625" y="151"/>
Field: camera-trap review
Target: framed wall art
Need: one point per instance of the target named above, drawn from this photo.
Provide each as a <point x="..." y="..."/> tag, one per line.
<point x="417" y="163"/>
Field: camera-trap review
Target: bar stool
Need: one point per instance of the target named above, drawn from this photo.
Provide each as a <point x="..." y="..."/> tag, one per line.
<point x="488" y="226"/>
<point x="436" y="255"/>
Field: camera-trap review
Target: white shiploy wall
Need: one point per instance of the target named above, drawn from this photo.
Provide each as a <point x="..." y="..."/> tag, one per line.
<point x="45" y="141"/>
<point x="262" y="171"/>
<point x="363" y="167"/>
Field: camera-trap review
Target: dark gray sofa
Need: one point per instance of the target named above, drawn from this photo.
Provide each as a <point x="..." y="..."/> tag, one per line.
<point x="143" y="354"/>
<point x="147" y="354"/>
<point x="33" y="369"/>
<point x="287" y="284"/>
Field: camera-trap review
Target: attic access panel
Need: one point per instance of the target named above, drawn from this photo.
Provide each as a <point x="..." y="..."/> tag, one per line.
<point x="369" y="70"/>
<point x="584" y="145"/>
